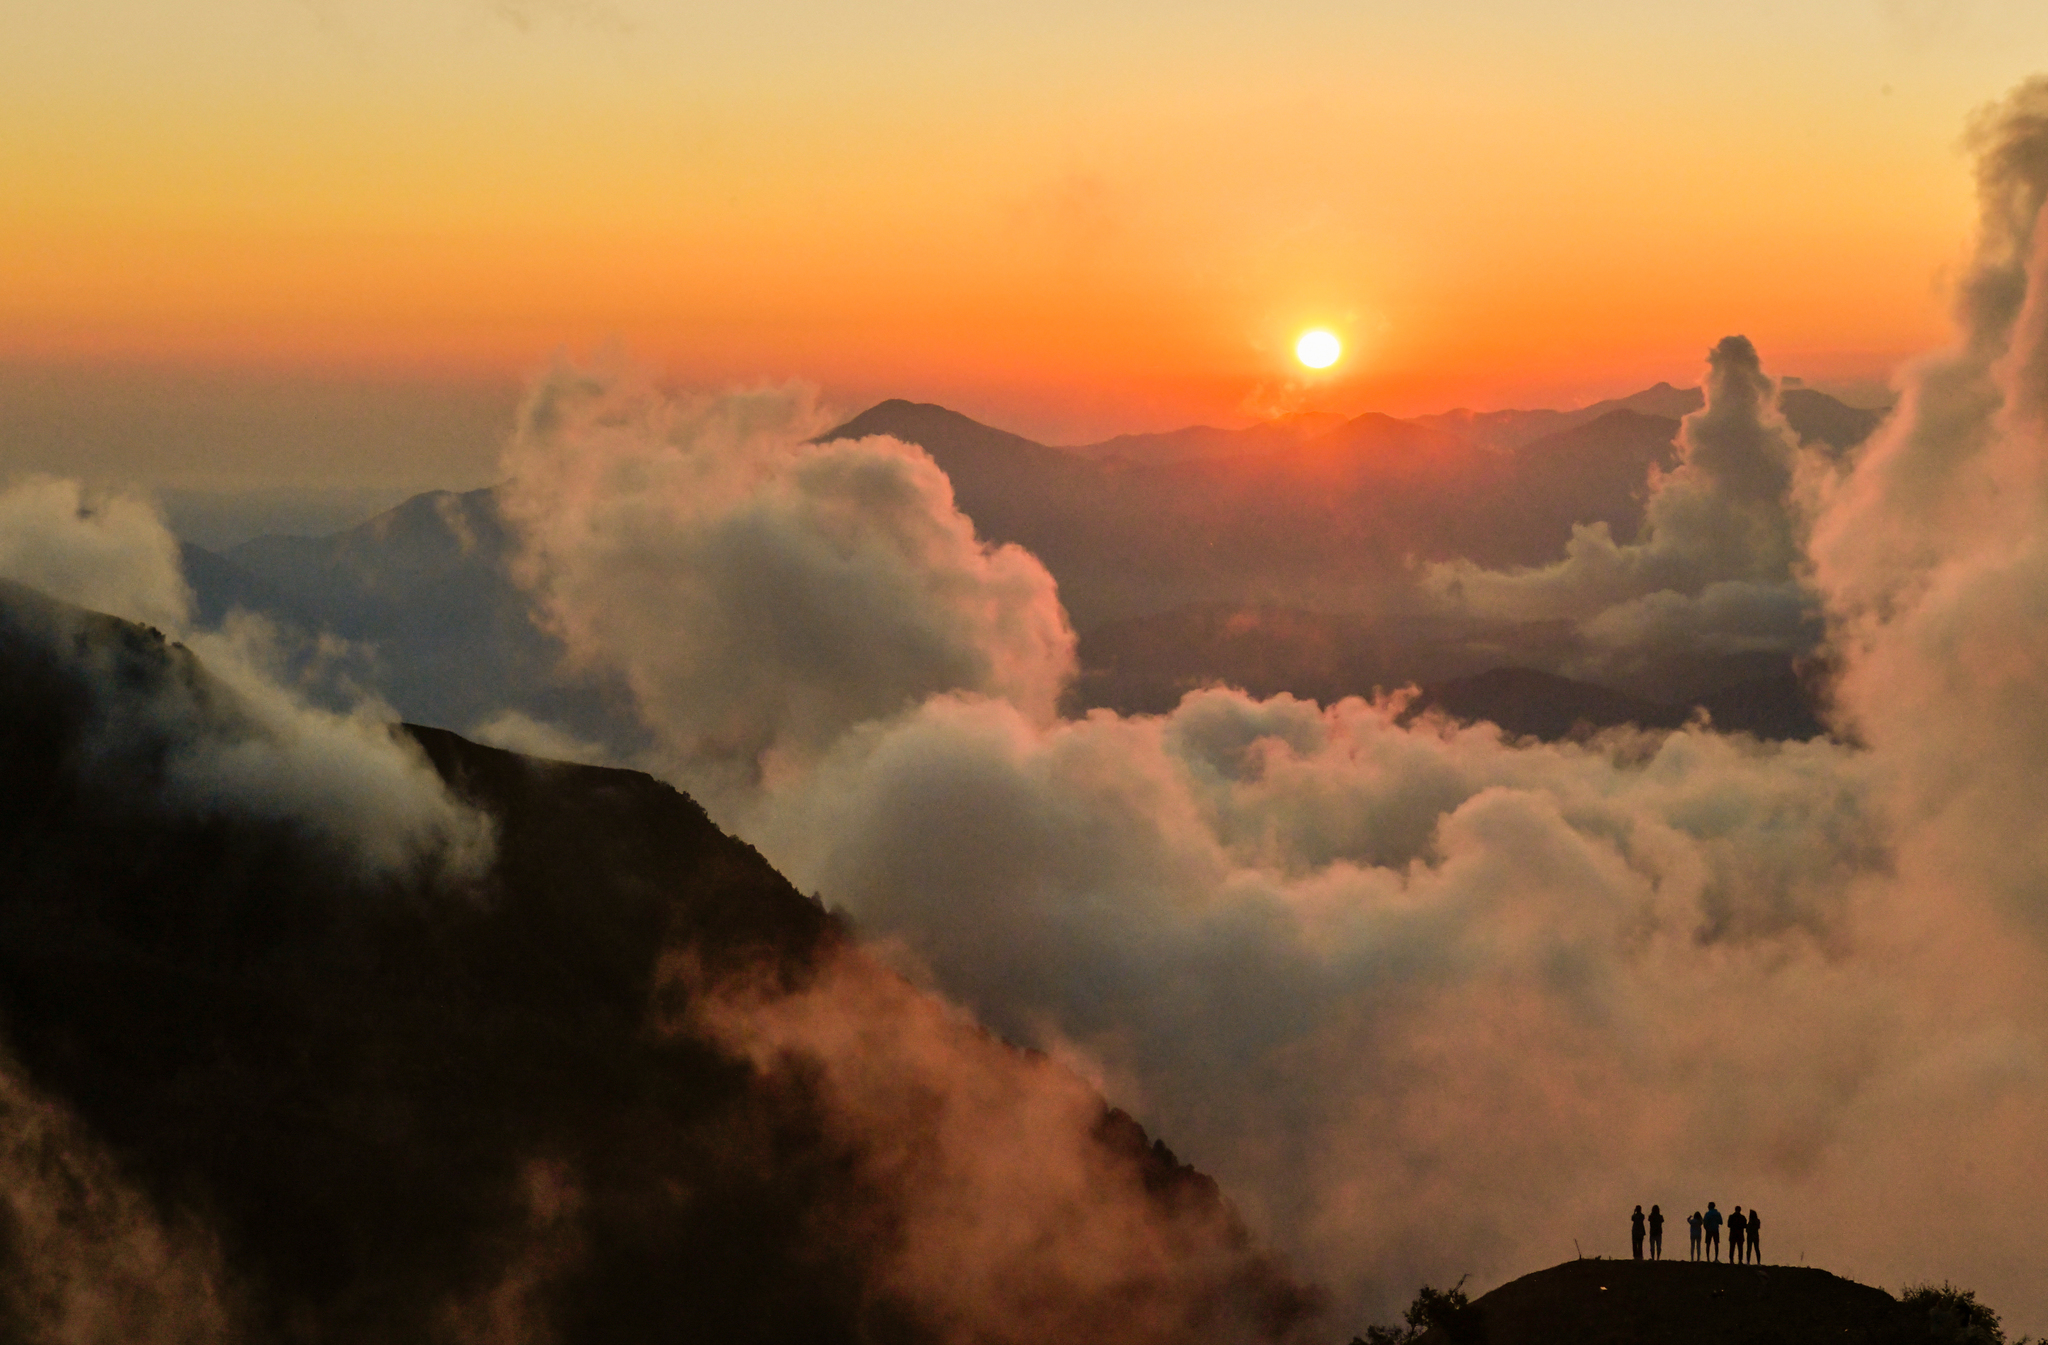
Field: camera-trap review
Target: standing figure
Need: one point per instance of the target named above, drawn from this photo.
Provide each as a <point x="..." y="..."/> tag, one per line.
<point x="1693" y="1221"/>
<point x="1756" y="1255"/>
<point x="1657" y="1233"/>
<point x="1737" y="1226"/>
<point x="1713" y="1227"/>
<point x="1635" y="1231"/>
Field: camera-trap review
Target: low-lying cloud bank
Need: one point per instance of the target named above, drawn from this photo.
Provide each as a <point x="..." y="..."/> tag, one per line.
<point x="229" y="733"/>
<point x="1427" y="1002"/>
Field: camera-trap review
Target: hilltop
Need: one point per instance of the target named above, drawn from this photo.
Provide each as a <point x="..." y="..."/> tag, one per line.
<point x="1596" y="1302"/>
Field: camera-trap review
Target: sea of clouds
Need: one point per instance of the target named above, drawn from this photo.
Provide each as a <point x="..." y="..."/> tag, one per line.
<point x="1428" y="1002"/>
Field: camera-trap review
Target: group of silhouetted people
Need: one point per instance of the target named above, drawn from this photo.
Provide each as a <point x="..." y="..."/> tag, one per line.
<point x="1744" y="1247"/>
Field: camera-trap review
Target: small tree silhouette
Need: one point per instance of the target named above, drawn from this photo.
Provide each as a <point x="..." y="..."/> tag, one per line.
<point x="1955" y="1315"/>
<point x="1447" y="1308"/>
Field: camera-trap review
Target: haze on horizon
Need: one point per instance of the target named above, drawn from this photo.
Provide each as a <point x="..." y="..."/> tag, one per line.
<point x="1091" y="220"/>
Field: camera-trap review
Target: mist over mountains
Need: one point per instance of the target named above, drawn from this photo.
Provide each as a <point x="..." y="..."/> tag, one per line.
<point x="1185" y="559"/>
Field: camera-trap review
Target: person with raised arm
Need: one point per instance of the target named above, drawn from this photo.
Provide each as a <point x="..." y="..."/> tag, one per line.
<point x="1693" y="1221"/>
<point x="1635" y="1231"/>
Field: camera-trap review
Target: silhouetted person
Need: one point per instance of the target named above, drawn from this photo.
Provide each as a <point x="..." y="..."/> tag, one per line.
<point x="1635" y="1231"/>
<point x="1756" y="1255"/>
<point x="1737" y="1226"/>
<point x="1656" y="1233"/>
<point x="1712" y="1223"/>
<point x="1693" y="1221"/>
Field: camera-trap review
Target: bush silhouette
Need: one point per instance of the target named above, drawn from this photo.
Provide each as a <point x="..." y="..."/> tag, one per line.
<point x="1447" y="1308"/>
<point x="1955" y="1315"/>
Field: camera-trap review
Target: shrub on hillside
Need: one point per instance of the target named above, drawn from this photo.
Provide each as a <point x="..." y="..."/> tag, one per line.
<point x="1447" y="1308"/>
<point x="1955" y="1315"/>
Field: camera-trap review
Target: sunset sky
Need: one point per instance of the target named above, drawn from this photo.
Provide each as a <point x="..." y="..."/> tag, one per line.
<point x="1073" y="219"/>
<point x="1255" y="785"/>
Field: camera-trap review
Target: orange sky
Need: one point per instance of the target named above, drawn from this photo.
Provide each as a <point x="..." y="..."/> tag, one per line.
<point x="1079" y="220"/>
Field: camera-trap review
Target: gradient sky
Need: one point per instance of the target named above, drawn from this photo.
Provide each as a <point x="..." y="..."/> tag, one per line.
<point x="1071" y="218"/>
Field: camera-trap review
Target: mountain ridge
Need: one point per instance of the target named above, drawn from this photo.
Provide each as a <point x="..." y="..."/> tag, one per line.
<point x="377" y="1105"/>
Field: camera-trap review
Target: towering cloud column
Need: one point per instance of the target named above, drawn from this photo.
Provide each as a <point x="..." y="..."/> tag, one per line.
<point x="1715" y="567"/>
<point x="762" y="595"/>
<point x="1932" y="552"/>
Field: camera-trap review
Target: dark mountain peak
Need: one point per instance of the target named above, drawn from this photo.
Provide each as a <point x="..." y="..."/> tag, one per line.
<point x="1193" y="443"/>
<point x="1818" y="418"/>
<point x="1379" y="422"/>
<point x="1660" y="400"/>
<point x="1616" y="422"/>
<point x="436" y="528"/>
<point x="1408" y="444"/>
<point x="928" y="425"/>
<point x="1528" y="703"/>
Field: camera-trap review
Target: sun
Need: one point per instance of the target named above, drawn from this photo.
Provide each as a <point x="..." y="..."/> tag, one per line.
<point x="1318" y="349"/>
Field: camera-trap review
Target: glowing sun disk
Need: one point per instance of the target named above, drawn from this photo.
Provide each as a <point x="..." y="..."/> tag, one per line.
<point x="1318" y="349"/>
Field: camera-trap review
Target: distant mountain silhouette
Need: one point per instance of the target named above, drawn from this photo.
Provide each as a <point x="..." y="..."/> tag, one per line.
<point x="426" y="592"/>
<point x="1783" y="704"/>
<point x="1528" y="703"/>
<point x="1597" y="1302"/>
<point x="409" y="1105"/>
<point x="1512" y="429"/>
<point x="219" y="586"/>
<point x="1303" y="512"/>
<point x="1147" y="664"/>
<point x="1339" y="511"/>
<point x="1159" y="562"/>
<point x="1207" y="441"/>
<point x="1596" y="471"/>
<point x="1818" y="418"/>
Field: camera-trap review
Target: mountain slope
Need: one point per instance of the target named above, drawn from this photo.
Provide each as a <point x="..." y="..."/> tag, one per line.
<point x="580" y="1091"/>
<point x="1209" y="441"/>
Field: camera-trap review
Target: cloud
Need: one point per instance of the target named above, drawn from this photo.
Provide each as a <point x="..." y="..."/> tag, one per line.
<point x="106" y="553"/>
<point x="1371" y="975"/>
<point x="762" y="594"/>
<point x="1428" y="1002"/>
<point x="1933" y="550"/>
<point x="1417" y="996"/>
<point x="89" y="1258"/>
<point x="1716" y="565"/>
<point x="1016" y="1207"/>
<point x="518" y="732"/>
<point x="225" y="728"/>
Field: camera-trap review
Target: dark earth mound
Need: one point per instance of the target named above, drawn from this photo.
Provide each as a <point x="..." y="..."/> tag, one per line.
<point x="1683" y="1303"/>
